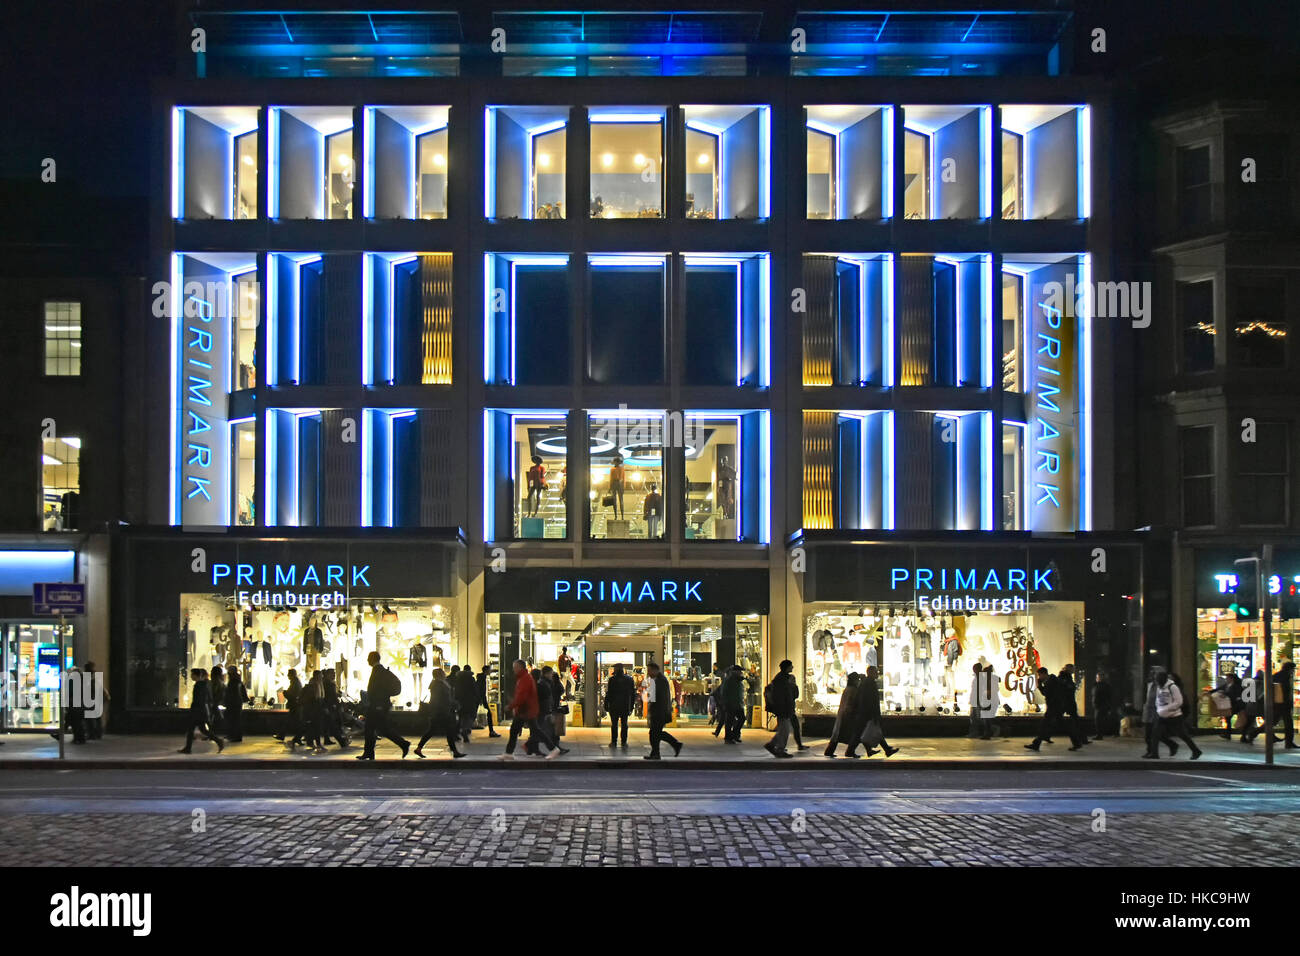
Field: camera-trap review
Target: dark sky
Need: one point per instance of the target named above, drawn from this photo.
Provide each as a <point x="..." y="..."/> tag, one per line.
<point x="77" y="72"/>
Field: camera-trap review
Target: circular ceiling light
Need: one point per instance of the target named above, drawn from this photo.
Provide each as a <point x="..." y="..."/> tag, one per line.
<point x="559" y="445"/>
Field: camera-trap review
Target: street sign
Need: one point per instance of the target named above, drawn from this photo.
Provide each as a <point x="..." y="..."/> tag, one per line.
<point x="65" y="599"/>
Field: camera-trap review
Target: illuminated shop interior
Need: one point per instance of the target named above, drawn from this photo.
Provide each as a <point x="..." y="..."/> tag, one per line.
<point x="728" y="162"/>
<point x="312" y="162"/>
<point x="627" y="162"/>
<point x="527" y="162"/>
<point x="215" y="162"/>
<point x="849" y="162"/>
<point x="406" y="162"/>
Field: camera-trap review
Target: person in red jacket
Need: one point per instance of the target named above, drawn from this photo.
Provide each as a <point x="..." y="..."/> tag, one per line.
<point x="524" y="710"/>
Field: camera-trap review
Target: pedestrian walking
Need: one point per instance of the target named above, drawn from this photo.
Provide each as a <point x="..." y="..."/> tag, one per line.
<point x="291" y="695"/>
<point x="1052" y="700"/>
<point x="1283" y="702"/>
<point x="236" y="698"/>
<point x="733" y="704"/>
<point x="1155" y="734"/>
<point x="332" y="713"/>
<point x="383" y="686"/>
<point x="559" y="709"/>
<point x="1169" y="708"/>
<point x="524" y="712"/>
<point x="620" y="689"/>
<point x="217" y="678"/>
<point x="659" y="710"/>
<point x="991" y="701"/>
<point x="442" y="714"/>
<point x="778" y="700"/>
<point x="466" y="691"/>
<point x="844" y="716"/>
<point x="1066" y="687"/>
<point x="867" y="709"/>
<point x="483" y="697"/>
<point x="200" y="711"/>
<point x="310" y="705"/>
<point x="794" y="715"/>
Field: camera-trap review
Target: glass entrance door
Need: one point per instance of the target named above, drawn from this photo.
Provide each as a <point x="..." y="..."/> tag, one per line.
<point x="32" y="673"/>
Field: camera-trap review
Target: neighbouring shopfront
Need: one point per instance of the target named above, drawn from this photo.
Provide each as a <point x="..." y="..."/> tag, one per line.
<point x="266" y="606"/>
<point x="1225" y="645"/>
<point x="926" y="612"/>
<point x="694" y="622"/>
<point x="30" y="698"/>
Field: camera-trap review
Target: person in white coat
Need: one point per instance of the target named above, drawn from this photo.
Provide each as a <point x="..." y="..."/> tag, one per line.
<point x="1169" y="708"/>
<point x="975" y="703"/>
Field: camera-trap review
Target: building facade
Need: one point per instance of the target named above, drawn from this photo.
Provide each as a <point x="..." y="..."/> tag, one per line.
<point x="1218" y="383"/>
<point x="803" y="290"/>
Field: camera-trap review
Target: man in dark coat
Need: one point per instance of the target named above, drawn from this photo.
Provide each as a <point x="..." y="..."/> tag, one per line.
<point x="1049" y="687"/>
<point x="236" y="698"/>
<point x="866" y="709"/>
<point x="466" y="701"/>
<point x="620" y="689"/>
<point x="201" y="711"/>
<point x="733" y="703"/>
<point x="846" y="717"/>
<point x="1070" y="707"/>
<point x="378" y="704"/>
<point x="1103" y="705"/>
<point x="782" y="708"/>
<point x="442" y="716"/>
<point x="660" y="712"/>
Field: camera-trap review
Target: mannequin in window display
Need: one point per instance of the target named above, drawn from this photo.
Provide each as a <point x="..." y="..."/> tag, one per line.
<point x="617" y="478"/>
<point x="536" y="485"/>
<point x="653" y="511"/>
<point x="313" y="643"/>
<point x="417" y="659"/>
<point x="261" y="671"/>
<point x="726" y="487"/>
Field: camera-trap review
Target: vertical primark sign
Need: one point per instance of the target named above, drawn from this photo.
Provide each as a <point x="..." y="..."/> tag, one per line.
<point x="203" y="439"/>
<point x="1053" y="402"/>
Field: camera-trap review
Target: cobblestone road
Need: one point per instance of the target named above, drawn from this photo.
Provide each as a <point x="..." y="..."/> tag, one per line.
<point x="102" y="839"/>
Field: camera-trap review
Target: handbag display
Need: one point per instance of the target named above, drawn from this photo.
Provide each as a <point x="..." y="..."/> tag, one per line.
<point x="607" y="501"/>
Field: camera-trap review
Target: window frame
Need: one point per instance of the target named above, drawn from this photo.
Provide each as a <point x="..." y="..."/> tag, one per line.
<point x="59" y="316"/>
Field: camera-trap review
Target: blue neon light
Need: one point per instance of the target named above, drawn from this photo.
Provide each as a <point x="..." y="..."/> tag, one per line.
<point x="19" y="570"/>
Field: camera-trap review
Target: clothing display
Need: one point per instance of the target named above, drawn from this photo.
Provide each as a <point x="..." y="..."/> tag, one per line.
<point x="925" y="660"/>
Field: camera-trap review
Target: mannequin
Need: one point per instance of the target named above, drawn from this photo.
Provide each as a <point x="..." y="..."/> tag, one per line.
<point x="417" y="659"/>
<point x="259" y="684"/>
<point x="341" y="674"/>
<point x="536" y="485"/>
<point x="313" y="642"/>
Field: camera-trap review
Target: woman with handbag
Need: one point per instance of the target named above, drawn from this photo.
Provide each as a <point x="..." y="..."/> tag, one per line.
<point x="868" y="710"/>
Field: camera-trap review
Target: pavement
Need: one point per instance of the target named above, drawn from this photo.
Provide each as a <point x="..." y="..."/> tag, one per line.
<point x="589" y="749"/>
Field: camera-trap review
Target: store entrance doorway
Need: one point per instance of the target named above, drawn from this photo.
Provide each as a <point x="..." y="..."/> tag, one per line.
<point x="634" y="652"/>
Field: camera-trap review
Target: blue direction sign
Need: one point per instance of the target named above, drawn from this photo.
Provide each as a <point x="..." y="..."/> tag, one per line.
<point x="66" y="599"/>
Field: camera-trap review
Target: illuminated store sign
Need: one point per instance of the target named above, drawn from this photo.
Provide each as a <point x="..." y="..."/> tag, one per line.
<point x="263" y="585"/>
<point x="1053" y="385"/>
<point x="204" y="430"/>
<point x="688" y="590"/>
<point x="971" y="579"/>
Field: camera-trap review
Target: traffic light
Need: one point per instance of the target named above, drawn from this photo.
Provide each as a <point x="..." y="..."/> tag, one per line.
<point x="1245" y="599"/>
<point x="1289" y="601"/>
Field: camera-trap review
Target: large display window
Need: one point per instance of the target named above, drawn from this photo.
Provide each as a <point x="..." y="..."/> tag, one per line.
<point x="265" y="641"/>
<point x="926" y="659"/>
<point x="29" y="654"/>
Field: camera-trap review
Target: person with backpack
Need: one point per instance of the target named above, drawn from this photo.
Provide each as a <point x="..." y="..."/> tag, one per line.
<point x="466" y="693"/>
<point x="1283" y="697"/>
<point x="291" y="694"/>
<point x="844" y="716"/>
<point x="1169" y="708"/>
<point x="524" y="710"/>
<point x="659" y="711"/>
<point x="1155" y="735"/>
<point x="442" y="715"/>
<point x="778" y="700"/>
<point x="383" y="686"/>
<point x="973" y="704"/>
<point x="620" y="690"/>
